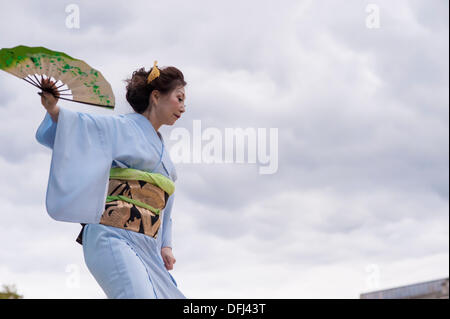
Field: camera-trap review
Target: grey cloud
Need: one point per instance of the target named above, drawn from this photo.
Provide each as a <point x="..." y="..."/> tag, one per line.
<point x="363" y="133"/>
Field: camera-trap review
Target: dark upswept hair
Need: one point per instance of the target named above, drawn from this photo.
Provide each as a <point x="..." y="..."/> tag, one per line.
<point x="138" y="91"/>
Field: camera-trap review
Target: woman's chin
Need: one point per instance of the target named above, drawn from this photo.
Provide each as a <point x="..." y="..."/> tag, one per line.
<point x="173" y="121"/>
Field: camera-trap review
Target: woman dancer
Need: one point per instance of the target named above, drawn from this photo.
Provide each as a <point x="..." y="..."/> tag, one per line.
<point x="112" y="174"/>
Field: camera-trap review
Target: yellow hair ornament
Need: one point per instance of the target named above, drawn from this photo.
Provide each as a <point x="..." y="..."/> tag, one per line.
<point x="154" y="74"/>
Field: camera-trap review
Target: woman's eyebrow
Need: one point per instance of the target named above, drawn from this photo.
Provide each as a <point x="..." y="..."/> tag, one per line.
<point x="182" y="93"/>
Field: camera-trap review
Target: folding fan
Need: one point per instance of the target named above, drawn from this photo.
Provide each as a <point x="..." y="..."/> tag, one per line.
<point x="73" y="78"/>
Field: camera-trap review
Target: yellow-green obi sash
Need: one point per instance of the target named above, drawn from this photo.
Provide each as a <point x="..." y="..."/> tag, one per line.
<point x="135" y="200"/>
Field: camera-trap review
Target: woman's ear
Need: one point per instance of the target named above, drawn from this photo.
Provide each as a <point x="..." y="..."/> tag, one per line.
<point x="153" y="96"/>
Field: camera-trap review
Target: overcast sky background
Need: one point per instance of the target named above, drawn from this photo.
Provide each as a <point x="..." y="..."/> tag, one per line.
<point x="361" y="197"/>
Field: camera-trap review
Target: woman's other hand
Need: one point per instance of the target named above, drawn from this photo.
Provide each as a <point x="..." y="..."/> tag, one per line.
<point x="168" y="258"/>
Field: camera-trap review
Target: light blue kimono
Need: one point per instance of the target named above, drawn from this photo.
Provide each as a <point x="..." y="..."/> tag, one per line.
<point x="125" y="263"/>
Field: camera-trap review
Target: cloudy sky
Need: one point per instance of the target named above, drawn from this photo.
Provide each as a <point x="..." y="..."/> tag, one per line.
<point x="360" y="198"/>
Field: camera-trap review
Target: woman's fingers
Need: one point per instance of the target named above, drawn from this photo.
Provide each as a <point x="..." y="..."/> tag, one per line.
<point x="168" y="263"/>
<point x="168" y="259"/>
<point x="48" y="97"/>
<point x="48" y="100"/>
<point x="48" y="84"/>
<point x="45" y="97"/>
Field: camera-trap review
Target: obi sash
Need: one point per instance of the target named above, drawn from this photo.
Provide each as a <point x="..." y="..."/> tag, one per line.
<point x="135" y="200"/>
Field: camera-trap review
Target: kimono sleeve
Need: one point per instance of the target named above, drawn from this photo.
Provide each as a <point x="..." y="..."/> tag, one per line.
<point x="167" y="223"/>
<point x="45" y="134"/>
<point x="80" y="164"/>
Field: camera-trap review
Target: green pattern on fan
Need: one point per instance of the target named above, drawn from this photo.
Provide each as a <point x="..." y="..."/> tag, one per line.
<point x="86" y="84"/>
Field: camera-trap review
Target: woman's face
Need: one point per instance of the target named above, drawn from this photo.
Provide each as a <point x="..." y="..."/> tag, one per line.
<point x="171" y="107"/>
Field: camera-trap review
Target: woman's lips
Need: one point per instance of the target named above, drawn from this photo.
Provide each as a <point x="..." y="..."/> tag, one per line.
<point x="176" y="116"/>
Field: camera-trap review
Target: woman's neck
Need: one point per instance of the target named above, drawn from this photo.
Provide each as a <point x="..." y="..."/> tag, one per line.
<point x="151" y="116"/>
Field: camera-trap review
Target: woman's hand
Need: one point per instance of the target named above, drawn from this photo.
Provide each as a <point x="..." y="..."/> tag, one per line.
<point x="167" y="256"/>
<point x="49" y="100"/>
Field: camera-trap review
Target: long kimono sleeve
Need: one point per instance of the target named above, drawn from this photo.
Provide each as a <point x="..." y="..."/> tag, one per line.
<point x="80" y="164"/>
<point x="47" y="131"/>
<point x="167" y="223"/>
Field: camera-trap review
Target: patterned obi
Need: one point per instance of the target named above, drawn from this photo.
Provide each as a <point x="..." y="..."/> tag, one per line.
<point x="135" y="200"/>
